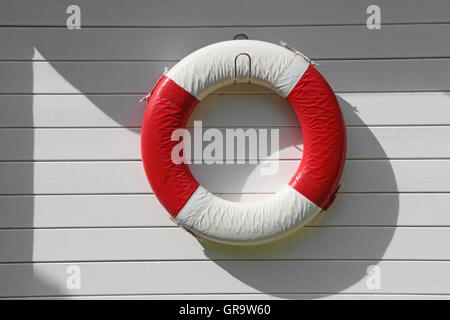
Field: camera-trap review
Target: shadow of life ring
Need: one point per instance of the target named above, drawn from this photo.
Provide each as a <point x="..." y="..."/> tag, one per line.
<point x="293" y="76"/>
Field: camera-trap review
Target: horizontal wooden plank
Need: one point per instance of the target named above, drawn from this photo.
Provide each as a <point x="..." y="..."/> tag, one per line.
<point x="392" y="41"/>
<point x="358" y="176"/>
<point x="72" y="110"/>
<point x="129" y="244"/>
<point x="129" y="177"/>
<point x="415" y="108"/>
<point x="397" y="142"/>
<point x="72" y="144"/>
<point x="359" y="109"/>
<point x="206" y="13"/>
<point x="409" y="108"/>
<point x="124" y="144"/>
<point x="66" y="211"/>
<point x="138" y="77"/>
<point x="226" y="277"/>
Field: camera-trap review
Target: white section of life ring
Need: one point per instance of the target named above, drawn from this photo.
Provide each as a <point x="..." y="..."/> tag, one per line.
<point x="213" y="67"/>
<point x="253" y="222"/>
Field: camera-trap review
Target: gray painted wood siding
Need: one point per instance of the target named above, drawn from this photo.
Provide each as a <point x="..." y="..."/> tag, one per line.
<point x="73" y="190"/>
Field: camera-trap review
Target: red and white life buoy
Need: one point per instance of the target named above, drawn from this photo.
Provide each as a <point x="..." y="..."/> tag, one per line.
<point x="291" y="75"/>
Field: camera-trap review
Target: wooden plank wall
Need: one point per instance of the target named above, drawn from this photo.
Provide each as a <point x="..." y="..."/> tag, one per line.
<point x="72" y="186"/>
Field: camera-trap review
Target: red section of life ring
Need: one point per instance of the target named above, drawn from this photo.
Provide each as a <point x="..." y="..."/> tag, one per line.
<point x="168" y="109"/>
<point x="324" y="139"/>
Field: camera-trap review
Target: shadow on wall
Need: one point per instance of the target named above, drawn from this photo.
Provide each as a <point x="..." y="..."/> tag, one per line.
<point x="16" y="245"/>
<point x="302" y="271"/>
<point x="22" y="275"/>
<point x="18" y="185"/>
<point x="266" y="274"/>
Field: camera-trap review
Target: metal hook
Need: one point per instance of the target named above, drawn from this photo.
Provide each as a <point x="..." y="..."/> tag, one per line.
<point x="249" y="66"/>
<point x="240" y="36"/>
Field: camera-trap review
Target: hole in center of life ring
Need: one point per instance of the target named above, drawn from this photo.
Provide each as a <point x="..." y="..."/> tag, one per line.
<point x="245" y="142"/>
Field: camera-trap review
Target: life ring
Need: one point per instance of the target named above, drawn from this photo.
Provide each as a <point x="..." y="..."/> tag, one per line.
<point x="291" y="75"/>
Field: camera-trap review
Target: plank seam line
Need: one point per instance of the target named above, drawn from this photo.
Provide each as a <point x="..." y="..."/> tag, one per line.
<point x="409" y="159"/>
<point x="246" y="160"/>
<point x="217" y="93"/>
<point x="164" y="227"/>
<point x="205" y="260"/>
<point x="102" y="61"/>
<point x="290" y="126"/>
<point x="177" y="60"/>
<point x="124" y="26"/>
<point x="337" y="294"/>
<point x="216" y="193"/>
